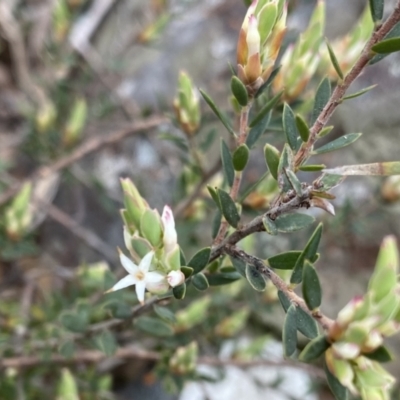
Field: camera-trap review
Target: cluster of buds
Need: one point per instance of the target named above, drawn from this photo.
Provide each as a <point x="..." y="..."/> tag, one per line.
<point x="187" y="105"/>
<point x="301" y="59"/>
<point x="18" y="216"/>
<point x="260" y="39"/>
<point x="348" y="48"/>
<point x="152" y="242"/>
<point x="184" y="360"/>
<point x="358" y="332"/>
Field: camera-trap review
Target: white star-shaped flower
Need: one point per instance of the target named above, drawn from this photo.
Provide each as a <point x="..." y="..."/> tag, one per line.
<point x="139" y="275"/>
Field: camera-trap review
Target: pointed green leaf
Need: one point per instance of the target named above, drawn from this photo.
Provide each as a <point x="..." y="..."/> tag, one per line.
<point x="294" y="181"/>
<point x="229" y="209"/>
<point x="239" y="91"/>
<point x="325" y="131"/>
<point x="214" y="195"/>
<point x="289" y="126"/>
<point x="106" y="343"/>
<point x="258" y="130"/>
<point x="216" y="223"/>
<point x="154" y="326"/>
<point x="306" y="324"/>
<point x="272" y="157"/>
<point x="289" y="333"/>
<point x="311" y="287"/>
<point x="302" y="127"/>
<point x="377" y="169"/>
<point x="67" y="387"/>
<point x="309" y="253"/>
<point x="285" y="260"/>
<point x="314" y="349"/>
<point x="395" y="32"/>
<point x="240" y="157"/>
<point x="334" y="60"/>
<point x="376" y="7"/>
<point x="285" y="302"/>
<point x="269" y="226"/>
<point x="359" y="93"/>
<point x="200" y="260"/>
<point x="179" y="291"/>
<point x="227" y="164"/>
<point x="338" y="390"/>
<point x="338" y="143"/>
<point x="200" y="282"/>
<point x="165" y="313"/>
<point x="381" y="354"/>
<point x="312" y="168"/>
<point x="265" y="110"/>
<point x="266" y="20"/>
<point x="285" y="164"/>
<point x="239" y="265"/>
<point x="321" y="98"/>
<point x="150" y="226"/>
<point x="217" y="112"/>
<point x="293" y="222"/>
<point x="329" y="181"/>
<point x="255" y="279"/>
<point x="187" y="271"/>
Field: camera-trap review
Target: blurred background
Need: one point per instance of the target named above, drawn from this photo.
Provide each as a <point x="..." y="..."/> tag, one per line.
<point x="86" y="93"/>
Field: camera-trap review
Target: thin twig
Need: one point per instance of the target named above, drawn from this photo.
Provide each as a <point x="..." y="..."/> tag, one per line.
<point x="340" y="90"/>
<point x="89" y="146"/>
<point x="280" y="284"/>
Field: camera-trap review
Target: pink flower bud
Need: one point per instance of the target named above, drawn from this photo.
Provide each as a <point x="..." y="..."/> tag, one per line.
<point x="175" y="278"/>
<point x="170" y="237"/>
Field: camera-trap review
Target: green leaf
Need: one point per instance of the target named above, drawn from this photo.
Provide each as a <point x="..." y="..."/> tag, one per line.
<point x="284" y="301"/>
<point x="289" y="333"/>
<point x="302" y="127"/>
<point x="200" y="282"/>
<point x="381" y="354"/>
<point x="312" y="168"/>
<point x="219" y="279"/>
<point x="329" y="181"/>
<point x="75" y="321"/>
<point x="265" y="110"/>
<point x="266" y="19"/>
<point x="325" y="131"/>
<point x="321" y="98"/>
<point x="314" y="349"/>
<point x="255" y="279"/>
<point x="311" y="287"/>
<point x="227" y="163"/>
<point x="229" y="209"/>
<point x="179" y="291"/>
<point x="395" y="32"/>
<point x="309" y="253"/>
<point x="217" y="112"/>
<point x="214" y="195"/>
<point x="67" y="387"/>
<point x="334" y="60"/>
<point x="106" y="343"/>
<point x="258" y="130"/>
<point x="154" y="326"/>
<point x="294" y="181"/>
<point x="338" y="143"/>
<point x="359" y="93"/>
<point x="269" y="225"/>
<point x="239" y="265"/>
<point x="239" y="91"/>
<point x="216" y="223"/>
<point x="119" y="309"/>
<point x="285" y="164"/>
<point x="200" y="260"/>
<point x="67" y="349"/>
<point x="187" y="271"/>
<point x="376" y="7"/>
<point x="289" y="126"/>
<point x="285" y="260"/>
<point x="306" y="324"/>
<point x="165" y="313"/>
<point x="272" y="157"/>
<point x="338" y="390"/>
<point x="240" y="157"/>
<point x="182" y="257"/>
<point x="293" y="222"/>
<point x="150" y="226"/>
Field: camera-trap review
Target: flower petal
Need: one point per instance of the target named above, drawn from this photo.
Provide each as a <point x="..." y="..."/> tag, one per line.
<point x="154" y="277"/>
<point x="140" y="289"/>
<point x="146" y="262"/>
<point x="124" y="282"/>
<point x="128" y="264"/>
<point x="169" y="237"/>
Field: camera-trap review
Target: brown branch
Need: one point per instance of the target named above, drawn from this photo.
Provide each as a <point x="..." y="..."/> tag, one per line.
<point x="337" y="96"/>
<point x="279" y="283"/>
<point x="89" y="146"/>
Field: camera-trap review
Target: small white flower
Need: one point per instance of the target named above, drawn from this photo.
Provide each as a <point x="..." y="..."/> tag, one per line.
<point x="170" y="237"/>
<point x="175" y="278"/>
<point x="139" y="275"/>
